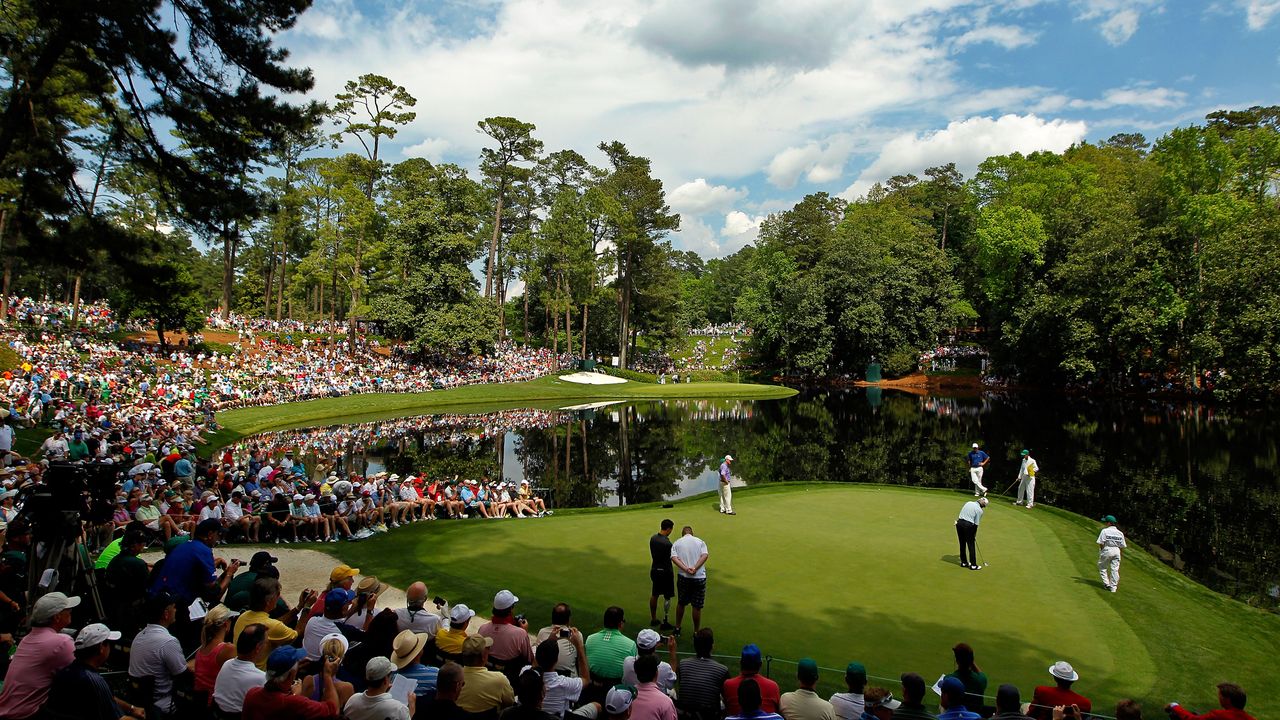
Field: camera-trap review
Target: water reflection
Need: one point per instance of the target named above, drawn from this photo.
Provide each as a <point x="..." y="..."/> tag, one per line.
<point x="1196" y="486"/>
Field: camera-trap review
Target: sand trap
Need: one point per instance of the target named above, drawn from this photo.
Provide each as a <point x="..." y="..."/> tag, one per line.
<point x="591" y="378"/>
<point x="593" y="406"/>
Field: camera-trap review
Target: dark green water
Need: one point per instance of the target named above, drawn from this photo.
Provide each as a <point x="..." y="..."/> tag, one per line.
<point x="1198" y="486"/>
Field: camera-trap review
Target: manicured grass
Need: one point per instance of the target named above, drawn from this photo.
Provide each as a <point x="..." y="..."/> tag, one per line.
<point x="544" y="392"/>
<point x="714" y="357"/>
<point x="843" y="572"/>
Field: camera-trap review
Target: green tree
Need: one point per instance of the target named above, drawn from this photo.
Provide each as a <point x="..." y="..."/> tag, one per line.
<point x="515" y="144"/>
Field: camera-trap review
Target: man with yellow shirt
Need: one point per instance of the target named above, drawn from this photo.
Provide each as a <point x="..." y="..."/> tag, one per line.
<point x="449" y="639"/>
<point x="262" y="599"/>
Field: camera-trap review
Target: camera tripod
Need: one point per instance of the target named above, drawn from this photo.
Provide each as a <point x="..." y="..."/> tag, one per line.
<point x="60" y="557"/>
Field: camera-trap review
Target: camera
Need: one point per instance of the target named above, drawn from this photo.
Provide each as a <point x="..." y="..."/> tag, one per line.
<point x="439" y="601"/>
<point x="520" y="619"/>
<point x="565" y="632"/>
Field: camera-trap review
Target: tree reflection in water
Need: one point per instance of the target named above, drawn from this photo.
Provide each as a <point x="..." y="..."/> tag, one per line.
<point x="1197" y="486"/>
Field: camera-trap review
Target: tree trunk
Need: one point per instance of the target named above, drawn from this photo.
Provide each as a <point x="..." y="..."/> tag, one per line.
<point x="284" y="276"/>
<point x="555" y="333"/>
<point x="526" y="315"/>
<point x="493" y="241"/>
<point x="584" y="330"/>
<point x="75" y="303"/>
<point x="269" y="283"/>
<point x="228" y="269"/>
<point x="624" y="310"/>
<point x="355" y="294"/>
<point x="8" y="267"/>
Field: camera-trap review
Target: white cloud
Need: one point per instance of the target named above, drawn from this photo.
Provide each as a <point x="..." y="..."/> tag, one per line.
<point x="1258" y="13"/>
<point x="1005" y="98"/>
<point x="1009" y="37"/>
<point x="739" y="229"/>
<point x="432" y="149"/>
<point x="329" y="20"/>
<point x="967" y="143"/>
<point x="1118" y="20"/>
<point x="1143" y="96"/>
<point x="818" y="161"/>
<point x="698" y="197"/>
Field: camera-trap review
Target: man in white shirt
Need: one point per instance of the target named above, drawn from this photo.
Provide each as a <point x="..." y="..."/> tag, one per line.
<point x="689" y="554"/>
<point x="376" y="702"/>
<point x="335" y="603"/>
<point x="156" y="654"/>
<point x="967" y="532"/>
<point x="1110" y="542"/>
<point x="239" y="674"/>
<point x="647" y="644"/>
<point x="416" y="616"/>
<point x="235" y="514"/>
<point x="849" y="705"/>
<point x="1027" y="480"/>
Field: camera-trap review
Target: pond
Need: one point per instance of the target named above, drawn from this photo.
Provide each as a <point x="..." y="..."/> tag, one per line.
<point x="1196" y="485"/>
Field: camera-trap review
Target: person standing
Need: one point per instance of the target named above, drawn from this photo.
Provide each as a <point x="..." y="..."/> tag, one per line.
<point x="1027" y="480"/>
<point x="660" y="573"/>
<point x="977" y="463"/>
<point x="1110" y="542"/>
<point x="967" y="532"/>
<point x="689" y="554"/>
<point x="726" y="490"/>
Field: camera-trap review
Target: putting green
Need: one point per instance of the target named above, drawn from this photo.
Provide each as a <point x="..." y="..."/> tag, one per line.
<point x="843" y="572"/>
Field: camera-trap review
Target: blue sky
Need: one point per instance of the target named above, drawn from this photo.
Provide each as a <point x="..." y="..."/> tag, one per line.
<point x="745" y="106"/>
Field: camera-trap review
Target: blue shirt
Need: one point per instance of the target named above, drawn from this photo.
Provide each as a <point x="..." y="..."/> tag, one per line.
<point x="972" y="511"/>
<point x="186" y="571"/>
<point x="958" y="712"/>
<point x="183" y="468"/>
<point x="977" y="457"/>
<point x="424" y="675"/>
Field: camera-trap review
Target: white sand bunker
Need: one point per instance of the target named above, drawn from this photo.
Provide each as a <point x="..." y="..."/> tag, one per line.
<point x="591" y="378"/>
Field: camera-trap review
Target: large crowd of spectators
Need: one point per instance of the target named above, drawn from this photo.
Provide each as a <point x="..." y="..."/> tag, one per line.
<point x="211" y="639"/>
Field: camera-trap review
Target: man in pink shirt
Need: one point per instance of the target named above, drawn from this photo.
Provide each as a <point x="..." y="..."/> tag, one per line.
<point x="40" y="656"/>
<point x="510" y="634"/>
<point x="650" y="703"/>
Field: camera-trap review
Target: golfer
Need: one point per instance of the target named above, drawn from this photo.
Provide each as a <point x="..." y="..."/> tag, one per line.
<point x="1110" y="542"/>
<point x="967" y="531"/>
<point x="661" y="575"/>
<point x="726" y="492"/>
<point x="689" y="554"/>
<point x="977" y="462"/>
<point x="1027" y="480"/>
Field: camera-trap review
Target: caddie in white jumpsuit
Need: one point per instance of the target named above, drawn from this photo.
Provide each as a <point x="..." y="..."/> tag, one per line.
<point x="1027" y="480"/>
<point x="1110" y="541"/>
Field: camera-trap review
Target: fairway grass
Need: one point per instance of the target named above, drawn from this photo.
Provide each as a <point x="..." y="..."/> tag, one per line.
<point x="543" y="393"/>
<point x="843" y="572"/>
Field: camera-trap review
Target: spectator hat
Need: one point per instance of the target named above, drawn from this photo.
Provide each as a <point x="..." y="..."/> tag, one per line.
<point x="407" y="647"/>
<point x="369" y="585"/>
<point x="297" y="496"/>
<point x="342" y="572"/>
<point x="1109" y="518"/>
<point x="460" y="614"/>
<point x="751" y="652"/>
<point x="378" y="668"/>
<point x="218" y="614"/>
<point x="1063" y="670"/>
<point x="283" y="659"/>
<point x="807" y="669"/>
<point x="856" y="671"/>
<point x="338" y="597"/>
<point x="94" y="634"/>
<point x="504" y="600"/>
<point x="474" y="644"/>
<point x="212" y="498"/>
<point x="174" y="542"/>
<point x="885" y="702"/>
<point x="336" y="636"/>
<point x="648" y="639"/>
<point x="1025" y="452"/>
<point x="951" y="685"/>
<point x="618" y="699"/>
<point x="261" y="559"/>
<point x="729" y="458"/>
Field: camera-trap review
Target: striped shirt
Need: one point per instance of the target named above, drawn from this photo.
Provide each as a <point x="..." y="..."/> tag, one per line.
<point x="606" y="651"/>
<point x="700" y="683"/>
<point x="424" y="675"/>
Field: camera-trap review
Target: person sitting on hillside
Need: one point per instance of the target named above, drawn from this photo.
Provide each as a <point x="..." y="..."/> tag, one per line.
<point x="953" y="701"/>
<point x="40" y="655"/>
<point x="803" y="703"/>
<point x="912" y="707"/>
<point x="750" y="663"/>
<point x="1009" y="704"/>
<point x="79" y="690"/>
<point x="650" y="703"/>
<point x="415" y="615"/>
<point x="701" y="678"/>
<point x="331" y="646"/>
<point x="647" y="642"/>
<point x="483" y="690"/>
<point x="240" y="674"/>
<point x="277" y="701"/>
<point x="560" y="692"/>
<point x="510" y="648"/>
<point x="1230" y="696"/>
<point x="608" y="648"/>
<point x="449" y="683"/>
<point x="967" y="672"/>
<point x="849" y="705"/>
<point x="377" y="702"/>
<point x="1045" y="698"/>
<point x="749" y="703"/>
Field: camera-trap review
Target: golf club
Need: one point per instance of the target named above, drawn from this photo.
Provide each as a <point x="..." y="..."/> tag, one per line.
<point x="1006" y="490"/>
<point x="978" y="548"/>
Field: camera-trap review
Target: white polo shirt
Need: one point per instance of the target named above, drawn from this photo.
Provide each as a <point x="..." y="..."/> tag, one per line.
<point x="689" y="548"/>
<point x="235" y="679"/>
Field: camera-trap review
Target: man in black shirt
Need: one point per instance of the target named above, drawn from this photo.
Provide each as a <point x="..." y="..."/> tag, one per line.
<point x="661" y="574"/>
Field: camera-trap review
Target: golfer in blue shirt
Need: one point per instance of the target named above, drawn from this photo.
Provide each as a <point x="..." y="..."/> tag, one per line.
<point x="977" y="461"/>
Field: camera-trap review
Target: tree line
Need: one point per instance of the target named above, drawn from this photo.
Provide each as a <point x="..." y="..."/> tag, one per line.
<point x="1123" y="263"/>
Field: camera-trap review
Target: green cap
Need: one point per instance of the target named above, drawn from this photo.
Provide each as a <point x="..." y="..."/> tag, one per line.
<point x="1109" y="518"/>
<point x="807" y="669"/>
<point x="174" y="542"/>
<point x="856" y="671"/>
<point x="1025" y="452"/>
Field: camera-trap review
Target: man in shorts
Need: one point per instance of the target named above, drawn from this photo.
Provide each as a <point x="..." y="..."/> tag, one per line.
<point x="689" y="554"/>
<point x="661" y="574"/>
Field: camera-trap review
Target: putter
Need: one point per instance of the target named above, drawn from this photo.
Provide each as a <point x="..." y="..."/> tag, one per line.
<point x="1006" y="490"/>
<point x="982" y="560"/>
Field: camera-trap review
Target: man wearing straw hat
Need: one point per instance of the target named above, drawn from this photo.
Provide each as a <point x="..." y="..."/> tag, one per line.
<point x="726" y="492"/>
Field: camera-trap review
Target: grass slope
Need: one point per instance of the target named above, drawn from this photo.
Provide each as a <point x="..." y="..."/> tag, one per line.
<point x="544" y="393"/>
<point x="841" y="572"/>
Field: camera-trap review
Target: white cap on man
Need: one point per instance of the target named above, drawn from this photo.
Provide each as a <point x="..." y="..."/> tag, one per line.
<point x="504" y="600"/>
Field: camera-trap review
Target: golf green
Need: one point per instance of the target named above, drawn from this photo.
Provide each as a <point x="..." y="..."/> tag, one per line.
<point x="842" y="572"/>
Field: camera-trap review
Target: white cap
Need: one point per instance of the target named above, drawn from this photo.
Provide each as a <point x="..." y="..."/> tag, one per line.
<point x="51" y="604"/>
<point x="297" y="496"/>
<point x="648" y="639"/>
<point x="975" y="446"/>
<point x="460" y="613"/>
<point x="504" y="600"/>
<point x="729" y="458"/>
<point x="94" y="634"/>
